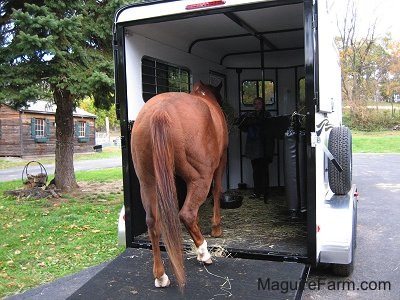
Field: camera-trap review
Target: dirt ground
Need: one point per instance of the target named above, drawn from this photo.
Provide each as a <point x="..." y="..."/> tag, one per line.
<point x="85" y="190"/>
<point x="100" y="187"/>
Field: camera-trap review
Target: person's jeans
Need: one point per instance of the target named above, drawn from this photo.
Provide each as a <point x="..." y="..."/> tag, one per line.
<point x="260" y="176"/>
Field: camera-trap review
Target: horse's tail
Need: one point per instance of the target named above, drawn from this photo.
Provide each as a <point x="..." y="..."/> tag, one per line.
<point x="163" y="160"/>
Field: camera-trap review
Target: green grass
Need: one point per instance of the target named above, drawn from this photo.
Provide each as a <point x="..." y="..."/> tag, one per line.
<point x="107" y="152"/>
<point x="376" y="142"/>
<point x="110" y="174"/>
<point x="42" y="240"/>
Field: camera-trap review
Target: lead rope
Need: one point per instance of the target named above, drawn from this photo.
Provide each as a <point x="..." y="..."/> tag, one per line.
<point x="226" y="287"/>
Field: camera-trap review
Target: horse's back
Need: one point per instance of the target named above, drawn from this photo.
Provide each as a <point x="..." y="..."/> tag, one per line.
<point x="197" y="130"/>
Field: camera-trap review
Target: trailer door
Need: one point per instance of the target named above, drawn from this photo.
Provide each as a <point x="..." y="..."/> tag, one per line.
<point x="329" y="74"/>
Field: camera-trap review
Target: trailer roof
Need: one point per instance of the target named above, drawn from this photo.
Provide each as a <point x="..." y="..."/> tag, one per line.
<point x="223" y="32"/>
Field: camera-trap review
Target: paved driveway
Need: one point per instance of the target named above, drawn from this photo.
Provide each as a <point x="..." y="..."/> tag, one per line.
<point x="34" y="168"/>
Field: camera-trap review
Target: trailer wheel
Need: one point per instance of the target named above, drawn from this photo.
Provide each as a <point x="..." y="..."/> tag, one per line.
<point x="340" y="145"/>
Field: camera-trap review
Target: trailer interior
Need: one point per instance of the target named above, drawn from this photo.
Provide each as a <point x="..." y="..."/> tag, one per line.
<point x="256" y="50"/>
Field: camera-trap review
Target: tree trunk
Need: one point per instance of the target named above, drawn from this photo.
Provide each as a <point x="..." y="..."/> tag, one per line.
<point x="64" y="174"/>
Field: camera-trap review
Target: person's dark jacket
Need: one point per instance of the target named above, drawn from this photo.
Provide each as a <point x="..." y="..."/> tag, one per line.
<point x="257" y="146"/>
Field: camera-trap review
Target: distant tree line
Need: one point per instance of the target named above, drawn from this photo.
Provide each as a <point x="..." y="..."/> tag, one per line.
<point x="370" y="73"/>
<point x="101" y="113"/>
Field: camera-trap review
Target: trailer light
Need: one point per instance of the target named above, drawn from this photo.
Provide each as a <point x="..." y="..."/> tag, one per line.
<point x="318" y="228"/>
<point x="204" y="4"/>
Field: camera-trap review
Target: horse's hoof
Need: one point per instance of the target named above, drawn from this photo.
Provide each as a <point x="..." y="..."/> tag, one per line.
<point x="203" y="255"/>
<point x="207" y="262"/>
<point x="216" y="231"/>
<point x="162" y="282"/>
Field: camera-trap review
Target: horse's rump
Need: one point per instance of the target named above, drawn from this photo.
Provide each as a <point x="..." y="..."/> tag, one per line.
<point x="199" y="128"/>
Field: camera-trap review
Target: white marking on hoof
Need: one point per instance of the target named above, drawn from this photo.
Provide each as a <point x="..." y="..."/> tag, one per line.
<point x="203" y="255"/>
<point x="162" y="282"/>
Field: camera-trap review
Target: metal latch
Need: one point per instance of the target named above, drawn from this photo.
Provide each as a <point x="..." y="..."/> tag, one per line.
<point x="314" y="139"/>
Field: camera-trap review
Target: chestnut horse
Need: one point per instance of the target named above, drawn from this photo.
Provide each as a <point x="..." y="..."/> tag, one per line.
<point x="186" y="135"/>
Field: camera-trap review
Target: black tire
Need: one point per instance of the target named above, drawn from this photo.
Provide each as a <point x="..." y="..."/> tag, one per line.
<point x="340" y="145"/>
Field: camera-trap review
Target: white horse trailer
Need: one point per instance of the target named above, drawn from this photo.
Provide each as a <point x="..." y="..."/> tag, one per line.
<point x="284" y="52"/>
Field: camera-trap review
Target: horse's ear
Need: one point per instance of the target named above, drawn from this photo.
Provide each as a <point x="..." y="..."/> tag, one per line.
<point x="197" y="86"/>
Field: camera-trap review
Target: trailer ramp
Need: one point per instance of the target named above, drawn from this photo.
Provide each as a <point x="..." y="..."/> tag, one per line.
<point x="129" y="276"/>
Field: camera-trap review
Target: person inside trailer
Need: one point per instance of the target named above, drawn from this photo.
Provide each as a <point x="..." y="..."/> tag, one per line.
<point x="258" y="149"/>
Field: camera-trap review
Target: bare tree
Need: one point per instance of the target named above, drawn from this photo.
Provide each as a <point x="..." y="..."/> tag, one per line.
<point x="355" y="50"/>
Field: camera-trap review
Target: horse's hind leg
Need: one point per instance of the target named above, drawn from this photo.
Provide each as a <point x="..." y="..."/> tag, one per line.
<point x="216" y="230"/>
<point x="196" y="195"/>
<point x="154" y="229"/>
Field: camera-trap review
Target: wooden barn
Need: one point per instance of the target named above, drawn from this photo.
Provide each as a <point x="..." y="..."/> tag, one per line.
<point x="31" y="130"/>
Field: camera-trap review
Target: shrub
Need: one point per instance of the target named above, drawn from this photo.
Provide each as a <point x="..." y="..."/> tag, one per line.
<point x="371" y="119"/>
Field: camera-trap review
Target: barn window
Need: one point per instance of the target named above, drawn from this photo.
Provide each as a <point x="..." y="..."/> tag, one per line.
<point x="253" y="88"/>
<point x="40" y="126"/>
<point x="82" y="131"/>
<point x="160" y="77"/>
<point x="40" y="130"/>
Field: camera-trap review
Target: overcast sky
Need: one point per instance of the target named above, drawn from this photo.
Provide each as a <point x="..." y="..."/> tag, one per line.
<point x="386" y="12"/>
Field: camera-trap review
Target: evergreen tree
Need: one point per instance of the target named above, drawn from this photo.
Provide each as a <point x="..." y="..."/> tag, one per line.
<point x="60" y="50"/>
